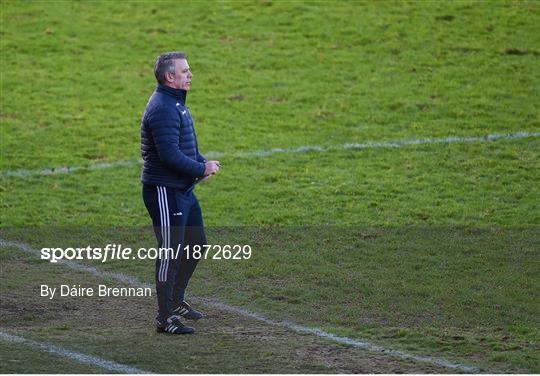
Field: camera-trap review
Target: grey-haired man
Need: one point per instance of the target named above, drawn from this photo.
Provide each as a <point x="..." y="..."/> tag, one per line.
<point x="172" y="167"/>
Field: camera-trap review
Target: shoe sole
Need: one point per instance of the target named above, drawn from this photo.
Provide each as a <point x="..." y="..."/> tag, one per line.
<point x="161" y="330"/>
<point x="192" y="319"/>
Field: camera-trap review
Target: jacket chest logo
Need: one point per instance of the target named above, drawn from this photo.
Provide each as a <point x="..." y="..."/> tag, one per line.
<point x="180" y="111"/>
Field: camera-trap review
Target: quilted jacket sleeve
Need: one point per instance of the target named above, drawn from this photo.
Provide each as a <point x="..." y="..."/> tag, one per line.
<point x="201" y="158"/>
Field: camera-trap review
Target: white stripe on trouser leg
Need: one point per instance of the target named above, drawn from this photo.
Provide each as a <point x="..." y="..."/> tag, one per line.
<point x="161" y="228"/>
<point x="168" y="230"/>
<point x="162" y="225"/>
<point x="165" y="226"/>
<point x="164" y="213"/>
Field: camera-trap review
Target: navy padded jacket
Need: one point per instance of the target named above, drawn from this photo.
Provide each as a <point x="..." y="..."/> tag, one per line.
<point x="168" y="142"/>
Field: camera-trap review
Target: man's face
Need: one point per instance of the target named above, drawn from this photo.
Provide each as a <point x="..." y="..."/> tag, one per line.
<point x="182" y="78"/>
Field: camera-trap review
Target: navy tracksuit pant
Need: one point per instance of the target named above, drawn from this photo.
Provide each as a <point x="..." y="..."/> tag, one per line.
<point x="177" y="220"/>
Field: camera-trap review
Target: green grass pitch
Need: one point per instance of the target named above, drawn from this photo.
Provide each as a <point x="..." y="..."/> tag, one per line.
<point x="431" y="249"/>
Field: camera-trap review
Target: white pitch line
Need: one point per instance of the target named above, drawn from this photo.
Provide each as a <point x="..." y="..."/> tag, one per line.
<point x="109" y="365"/>
<point x="358" y="343"/>
<point x="297" y="150"/>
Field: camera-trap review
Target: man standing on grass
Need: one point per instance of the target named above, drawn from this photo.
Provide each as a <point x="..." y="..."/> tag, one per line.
<point x="173" y="166"/>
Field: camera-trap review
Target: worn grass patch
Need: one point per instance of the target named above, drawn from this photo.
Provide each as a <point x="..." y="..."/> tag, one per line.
<point x="121" y="329"/>
<point x="20" y="359"/>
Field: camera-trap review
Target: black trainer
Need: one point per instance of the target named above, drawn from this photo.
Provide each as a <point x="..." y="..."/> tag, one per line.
<point x="173" y="325"/>
<point x="185" y="310"/>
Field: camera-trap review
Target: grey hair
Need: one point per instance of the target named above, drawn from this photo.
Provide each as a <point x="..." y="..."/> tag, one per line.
<point x="165" y="63"/>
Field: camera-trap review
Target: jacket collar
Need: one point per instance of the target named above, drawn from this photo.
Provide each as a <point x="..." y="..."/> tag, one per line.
<point x="177" y="94"/>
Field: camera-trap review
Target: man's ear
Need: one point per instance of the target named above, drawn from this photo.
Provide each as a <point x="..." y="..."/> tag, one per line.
<point x="169" y="77"/>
